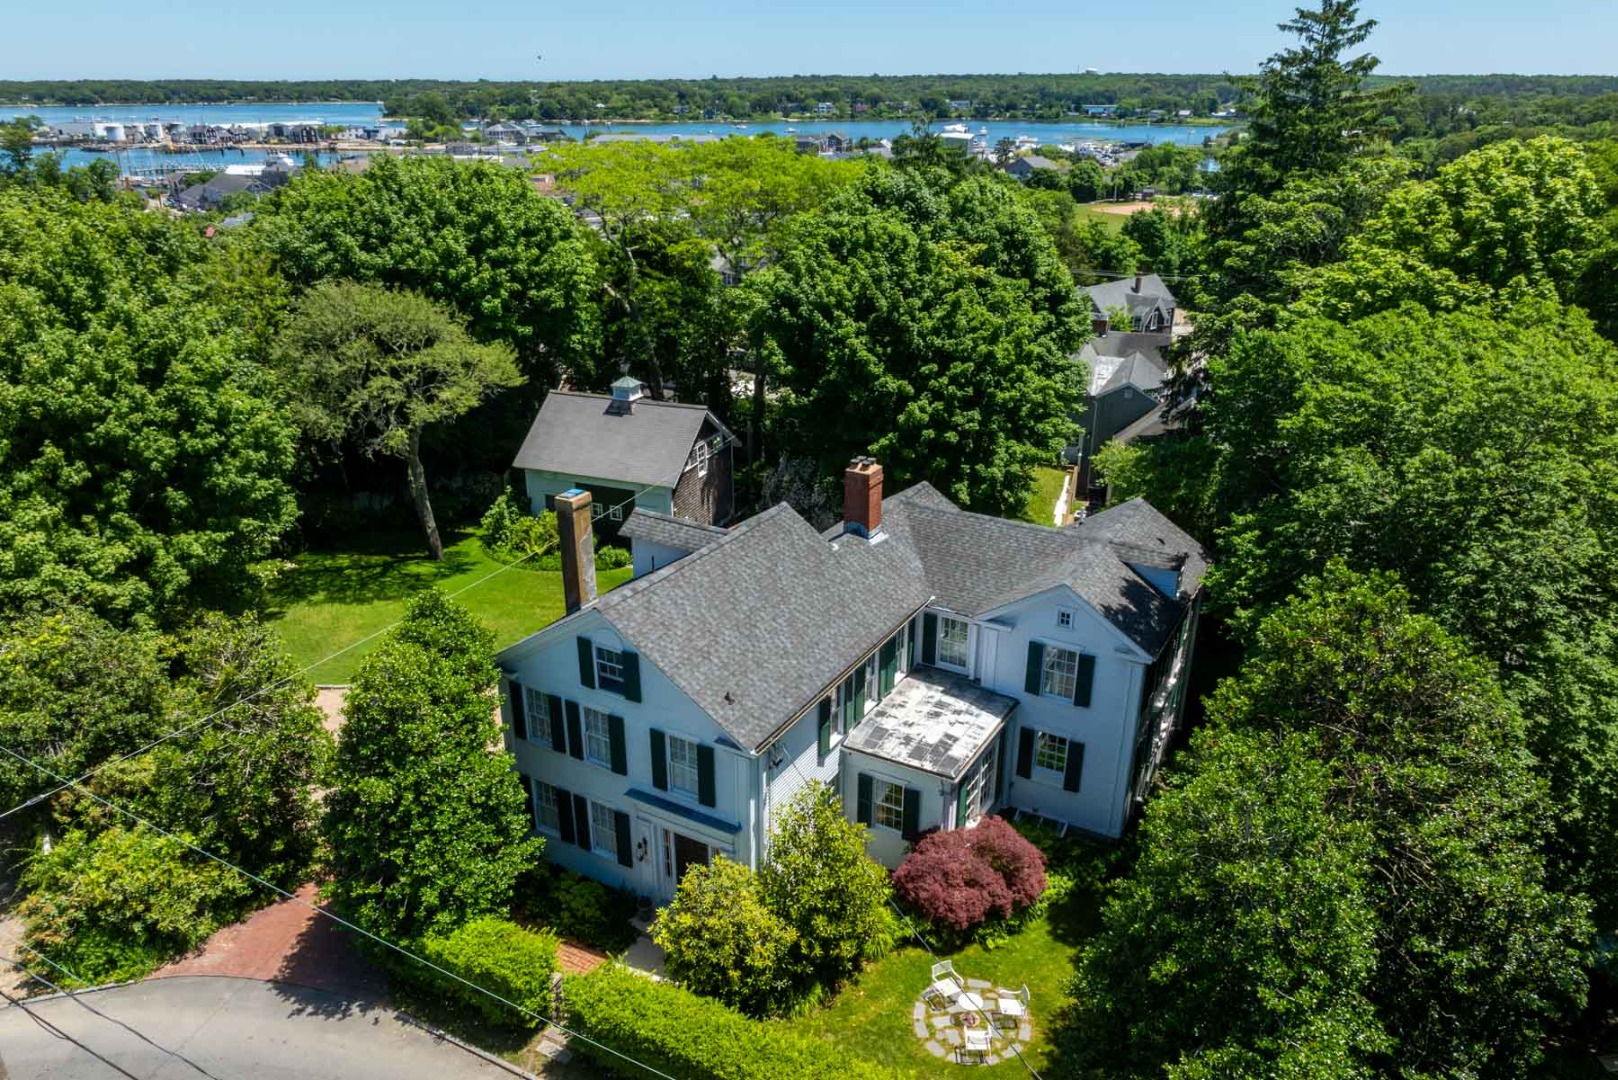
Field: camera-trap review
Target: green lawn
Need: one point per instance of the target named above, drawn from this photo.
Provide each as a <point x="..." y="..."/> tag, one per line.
<point x="328" y="600"/>
<point x="1041" y="506"/>
<point x="1113" y="222"/>
<point x="871" y="1017"/>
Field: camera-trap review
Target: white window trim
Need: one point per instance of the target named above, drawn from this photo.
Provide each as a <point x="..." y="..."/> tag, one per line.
<point x="938" y="644"/>
<point x="877" y="805"/>
<point x="1039" y="739"/>
<point x="696" y="776"/>
<point x="602" y="678"/>
<point x="596" y="832"/>
<point x="1064" y="618"/>
<point x="537" y="715"/>
<point x="539" y="826"/>
<point x="1044" y="670"/>
<point x="585" y="712"/>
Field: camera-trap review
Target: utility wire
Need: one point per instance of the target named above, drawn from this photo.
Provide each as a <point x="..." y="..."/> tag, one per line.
<point x="60" y="1034"/>
<point x="97" y="1012"/>
<point x="338" y="919"/>
<point x="34" y="800"/>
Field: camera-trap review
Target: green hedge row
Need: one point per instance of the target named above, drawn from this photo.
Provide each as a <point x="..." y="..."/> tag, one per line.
<point x="693" y="1038"/>
<point x="511" y="960"/>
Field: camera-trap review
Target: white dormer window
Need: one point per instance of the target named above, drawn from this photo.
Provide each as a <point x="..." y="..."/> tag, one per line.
<point x="1064" y="619"/>
<point x="952" y="642"/>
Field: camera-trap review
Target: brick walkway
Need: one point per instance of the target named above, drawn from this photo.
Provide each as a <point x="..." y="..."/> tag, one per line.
<point x="576" y="959"/>
<point x="286" y="942"/>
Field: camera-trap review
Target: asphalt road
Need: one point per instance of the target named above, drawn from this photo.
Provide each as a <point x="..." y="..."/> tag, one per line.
<point x="228" y="1029"/>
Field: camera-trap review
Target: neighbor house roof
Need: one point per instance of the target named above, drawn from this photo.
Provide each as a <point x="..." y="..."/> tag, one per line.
<point x="1122" y="293"/>
<point x="1034" y="161"/>
<point x="583" y="435"/>
<point x="756" y="624"/>
<point x="1143" y="369"/>
<point x="643" y="524"/>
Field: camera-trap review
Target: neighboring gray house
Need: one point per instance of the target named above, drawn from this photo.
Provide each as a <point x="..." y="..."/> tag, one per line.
<point x="1127" y="373"/>
<point x="209" y="194"/>
<point x="932" y="665"/>
<point x="1149" y="302"/>
<point x="1024" y="167"/>
<point x="629" y="451"/>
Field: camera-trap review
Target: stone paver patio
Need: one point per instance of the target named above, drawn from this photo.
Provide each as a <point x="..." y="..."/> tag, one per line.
<point x="939" y="1026"/>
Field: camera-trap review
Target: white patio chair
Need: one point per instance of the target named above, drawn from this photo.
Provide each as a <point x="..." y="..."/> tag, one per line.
<point x="1013" y="1007"/>
<point x="946" y="984"/>
<point x="975" y="1041"/>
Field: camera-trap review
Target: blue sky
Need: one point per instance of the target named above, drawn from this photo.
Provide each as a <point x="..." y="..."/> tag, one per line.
<point x="499" y="39"/>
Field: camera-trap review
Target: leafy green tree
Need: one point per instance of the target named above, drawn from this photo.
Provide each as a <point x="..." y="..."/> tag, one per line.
<point x="365" y="363"/>
<point x="1475" y="456"/>
<point x="475" y="236"/>
<point x="1501" y="221"/>
<point x="17" y="146"/>
<point x="426" y="822"/>
<point x="1170" y="243"/>
<point x="1092" y="251"/>
<point x="1358" y="827"/>
<point x="116" y="903"/>
<point x="819" y="881"/>
<point x="721" y="940"/>
<point x="931" y="326"/>
<point x="144" y="463"/>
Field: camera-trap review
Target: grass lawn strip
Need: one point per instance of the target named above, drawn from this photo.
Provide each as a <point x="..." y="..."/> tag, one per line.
<point x="1041" y="505"/>
<point x="330" y="599"/>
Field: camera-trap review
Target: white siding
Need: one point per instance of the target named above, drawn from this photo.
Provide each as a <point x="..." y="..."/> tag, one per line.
<point x="886" y="845"/>
<point x="649" y="556"/>
<point x="799" y="749"/>
<point x="548" y="662"/>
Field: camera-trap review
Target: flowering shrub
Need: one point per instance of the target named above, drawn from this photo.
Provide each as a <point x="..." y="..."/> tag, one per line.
<point x="963" y="879"/>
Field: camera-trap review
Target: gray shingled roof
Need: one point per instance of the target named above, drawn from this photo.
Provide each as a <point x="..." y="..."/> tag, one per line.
<point x="1121" y="293"/>
<point x="576" y="434"/>
<point x="669" y="531"/>
<point x="754" y="626"/>
<point x="757" y="623"/>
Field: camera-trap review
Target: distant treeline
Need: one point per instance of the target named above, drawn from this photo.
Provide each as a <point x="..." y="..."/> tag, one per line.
<point x="1468" y="99"/>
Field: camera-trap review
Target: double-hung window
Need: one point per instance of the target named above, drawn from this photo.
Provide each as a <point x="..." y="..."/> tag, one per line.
<point x="682" y="765"/>
<point x="597" y="737"/>
<point x="603" y="830"/>
<point x="1060" y="674"/>
<point x="888" y="804"/>
<point x="547" y="812"/>
<point x="538" y="712"/>
<point x="609" y="669"/>
<point x="1050" y="753"/>
<point x="952" y="641"/>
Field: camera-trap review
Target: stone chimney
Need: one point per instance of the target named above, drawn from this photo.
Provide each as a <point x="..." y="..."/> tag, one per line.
<point x="577" y="539"/>
<point x="862" y="497"/>
<point x="1098" y="325"/>
<point x="1140" y="279"/>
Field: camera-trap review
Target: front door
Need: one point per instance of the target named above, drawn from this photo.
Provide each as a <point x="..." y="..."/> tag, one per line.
<point x="680" y="853"/>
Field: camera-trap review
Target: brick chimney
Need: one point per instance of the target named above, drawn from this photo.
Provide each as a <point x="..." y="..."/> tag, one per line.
<point x="577" y="539"/>
<point x="1140" y="279"/>
<point x="862" y="497"/>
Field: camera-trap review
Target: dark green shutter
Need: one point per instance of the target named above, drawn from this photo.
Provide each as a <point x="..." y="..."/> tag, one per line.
<point x="528" y="801"/>
<point x="823" y="729"/>
<point x="581" y="820"/>
<point x="620" y="826"/>
<point x="587" y="663"/>
<point x="887" y="667"/>
<point x="575" y="731"/>
<point x="631" y="662"/>
<point x="705" y="784"/>
<point x="1086" y="676"/>
<point x="519" y="711"/>
<point x="564" y="816"/>
<point x="1025" y="753"/>
<point x="620" y="752"/>
<point x="660" y="761"/>
<point x="912" y="814"/>
<point x="553" y="705"/>
<point x="849" y="717"/>
<point x="862" y="807"/>
<point x="859" y="696"/>
<point x="1036" y="668"/>
<point x="1073" y="775"/>
<point x="929" y="638"/>
<point x="960" y="805"/>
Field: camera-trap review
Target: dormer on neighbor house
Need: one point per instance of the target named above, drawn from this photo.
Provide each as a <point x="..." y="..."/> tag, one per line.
<point x="1147" y="299"/>
<point x="931" y="665"/>
<point x="629" y="451"/>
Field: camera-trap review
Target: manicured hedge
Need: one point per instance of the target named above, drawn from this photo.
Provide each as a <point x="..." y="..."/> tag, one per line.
<point x="498" y="955"/>
<point x="693" y="1038"/>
